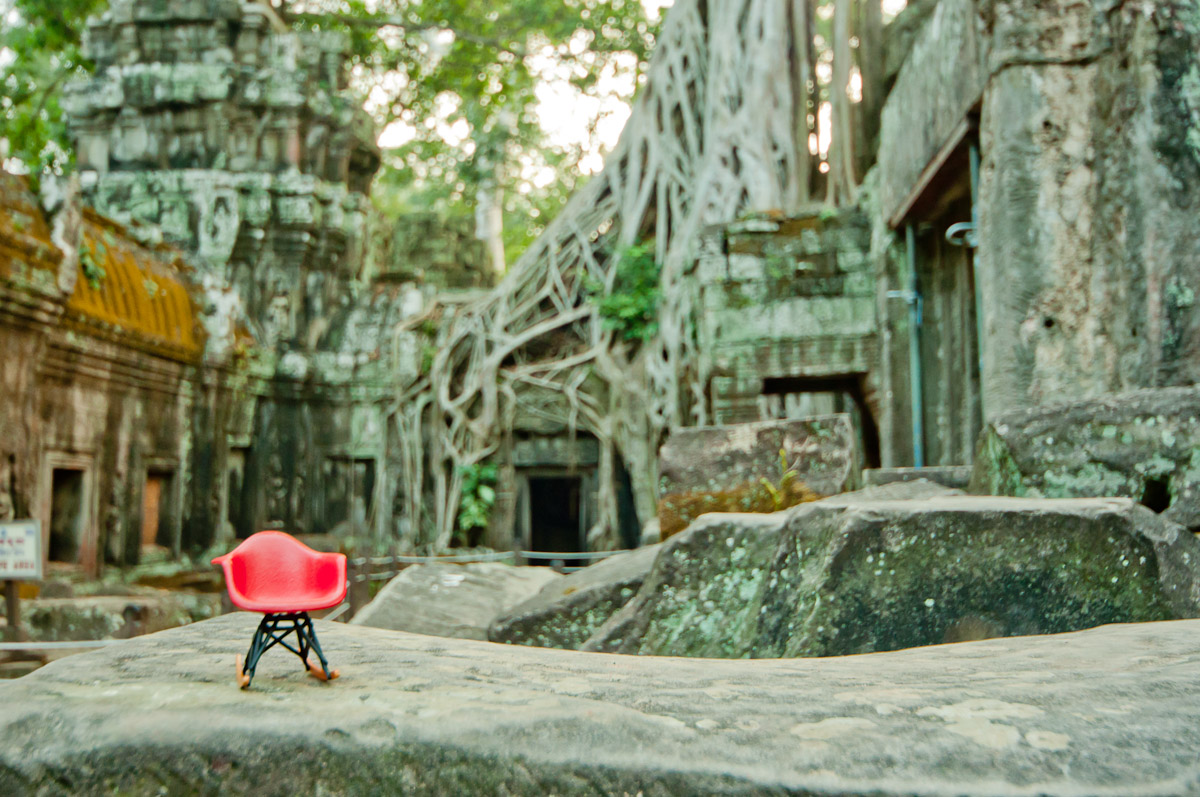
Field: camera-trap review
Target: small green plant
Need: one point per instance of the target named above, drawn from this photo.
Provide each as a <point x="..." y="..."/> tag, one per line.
<point x="631" y="307"/>
<point x="478" y="498"/>
<point x="428" y="353"/>
<point x="787" y="475"/>
<point x="89" y="260"/>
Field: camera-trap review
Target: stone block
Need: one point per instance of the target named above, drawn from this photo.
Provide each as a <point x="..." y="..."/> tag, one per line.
<point x="754" y="467"/>
<point x="1106" y="711"/>
<point x="1144" y="445"/>
<point x="851" y="575"/>
<point x="452" y="600"/>
<point x="956" y="476"/>
<point x="567" y="611"/>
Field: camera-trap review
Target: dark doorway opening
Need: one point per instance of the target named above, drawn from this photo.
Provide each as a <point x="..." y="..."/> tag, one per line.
<point x="67" y="517"/>
<point x="349" y="490"/>
<point x="848" y="395"/>
<point x="554" y="515"/>
<point x="235" y="481"/>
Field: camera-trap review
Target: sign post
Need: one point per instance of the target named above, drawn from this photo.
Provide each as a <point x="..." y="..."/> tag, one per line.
<point x="20" y="560"/>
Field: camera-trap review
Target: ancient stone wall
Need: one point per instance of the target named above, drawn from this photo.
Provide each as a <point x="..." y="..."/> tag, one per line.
<point x="431" y="249"/>
<point x="1086" y="197"/>
<point x="102" y="348"/>
<point x="237" y="139"/>
<point x="788" y="319"/>
<point x="1082" y="118"/>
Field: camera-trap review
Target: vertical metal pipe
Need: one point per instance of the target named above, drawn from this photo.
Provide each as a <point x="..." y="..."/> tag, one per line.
<point x="914" y="351"/>
<point x="974" y="152"/>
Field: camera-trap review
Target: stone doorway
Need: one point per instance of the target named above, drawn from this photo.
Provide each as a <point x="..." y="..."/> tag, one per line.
<point x="949" y="342"/>
<point x="69" y="534"/>
<point x="556" y="514"/>
<point x="68" y="515"/>
<point x="156" y="512"/>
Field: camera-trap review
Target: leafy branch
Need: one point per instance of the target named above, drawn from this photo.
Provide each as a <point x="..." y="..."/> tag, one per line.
<point x="630" y="308"/>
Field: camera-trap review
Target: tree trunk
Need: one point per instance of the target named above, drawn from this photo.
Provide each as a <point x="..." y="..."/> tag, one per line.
<point x="870" y="65"/>
<point x="842" y="185"/>
<point x="489" y="221"/>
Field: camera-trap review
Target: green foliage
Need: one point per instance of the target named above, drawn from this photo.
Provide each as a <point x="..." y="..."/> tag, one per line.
<point x="631" y="307"/>
<point x="461" y="75"/>
<point x="787" y="476"/>
<point x="89" y="260"/>
<point x="45" y="49"/>
<point x="462" y="79"/>
<point x="478" y="498"/>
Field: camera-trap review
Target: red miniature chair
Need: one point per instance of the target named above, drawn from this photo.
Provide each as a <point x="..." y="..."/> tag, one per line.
<point x="276" y="574"/>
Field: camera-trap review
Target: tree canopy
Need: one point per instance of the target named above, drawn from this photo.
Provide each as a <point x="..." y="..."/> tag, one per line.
<point x="456" y="83"/>
<point x="41" y="49"/>
<point x="460" y="81"/>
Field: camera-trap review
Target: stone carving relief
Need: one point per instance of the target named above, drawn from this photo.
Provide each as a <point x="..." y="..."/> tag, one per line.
<point x="219" y="223"/>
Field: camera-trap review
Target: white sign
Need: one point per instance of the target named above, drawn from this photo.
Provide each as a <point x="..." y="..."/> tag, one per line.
<point x="21" y="550"/>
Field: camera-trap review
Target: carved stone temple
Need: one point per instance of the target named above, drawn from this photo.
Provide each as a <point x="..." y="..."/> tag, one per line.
<point x="206" y="349"/>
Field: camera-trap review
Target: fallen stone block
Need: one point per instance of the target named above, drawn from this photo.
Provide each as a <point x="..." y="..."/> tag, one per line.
<point x="452" y="600"/>
<point x="114" y="616"/>
<point x="753" y="467"/>
<point x="846" y="576"/>
<point x="1143" y="445"/>
<point x="567" y="611"/>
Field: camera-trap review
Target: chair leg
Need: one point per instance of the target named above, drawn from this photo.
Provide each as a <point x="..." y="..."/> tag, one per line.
<point x="272" y="631"/>
<point x="308" y="635"/>
<point x="258" y="646"/>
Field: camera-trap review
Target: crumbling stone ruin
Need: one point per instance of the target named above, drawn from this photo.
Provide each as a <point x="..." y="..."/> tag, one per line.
<point x="211" y="348"/>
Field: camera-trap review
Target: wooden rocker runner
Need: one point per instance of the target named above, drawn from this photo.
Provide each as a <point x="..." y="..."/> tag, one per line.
<point x="276" y="574"/>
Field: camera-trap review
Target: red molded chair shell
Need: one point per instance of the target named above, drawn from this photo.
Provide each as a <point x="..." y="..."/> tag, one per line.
<point x="273" y="572"/>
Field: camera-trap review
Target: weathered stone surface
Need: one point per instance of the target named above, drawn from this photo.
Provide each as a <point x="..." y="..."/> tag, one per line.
<point x="753" y="467"/>
<point x="852" y="576"/>
<point x="1111" y="711"/>
<point x="809" y="281"/>
<point x="452" y="600"/>
<point x="1087" y="237"/>
<point x="908" y="490"/>
<point x="956" y="476"/>
<point x="1143" y="445"/>
<point x="568" y="611"/>
<point x="113" y="616"/>
<point x="943" y="75"/>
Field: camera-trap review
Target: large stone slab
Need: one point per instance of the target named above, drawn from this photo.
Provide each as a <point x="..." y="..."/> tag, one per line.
<point x="851" y="576"/>
<point x="453" y="600"/>
<point x="1112" y="711"/>
<point x="566" y="612"/>
<point x="1143" y="445"/>
<point x="753" y="467"/>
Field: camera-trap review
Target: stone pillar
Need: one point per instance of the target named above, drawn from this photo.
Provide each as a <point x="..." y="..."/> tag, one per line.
<point x="1090" y="136"/>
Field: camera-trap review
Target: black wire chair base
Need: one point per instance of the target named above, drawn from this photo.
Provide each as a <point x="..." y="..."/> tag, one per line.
<point x="274" y="630"/>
